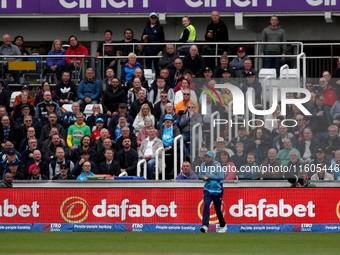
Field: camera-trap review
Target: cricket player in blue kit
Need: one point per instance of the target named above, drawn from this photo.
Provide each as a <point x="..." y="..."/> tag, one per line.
<point x="212" y="174"/>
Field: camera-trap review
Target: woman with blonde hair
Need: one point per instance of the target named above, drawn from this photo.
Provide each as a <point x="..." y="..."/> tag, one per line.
<point x="56" y="64"/>
<point x="139" y="123"/>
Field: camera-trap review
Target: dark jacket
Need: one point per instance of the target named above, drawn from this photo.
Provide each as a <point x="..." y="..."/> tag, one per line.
<point x="58" y="178"/>
<point x="111" y="99"/>
<point x="320" y="124"/>
<point x="315" y="144"/>
<point x="155" y="35"/>
<point x="128" y="160"/>
<point x="119" y="143"/>
<point x="197" y="65"/>
<point x="167" y="60"/>
<point x="136" y="105"/>
<point x="112" y="169"/>
<point x="220" y="33"/>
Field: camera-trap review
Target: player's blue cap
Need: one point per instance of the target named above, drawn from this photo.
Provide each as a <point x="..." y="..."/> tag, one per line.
<point x="210" y="154"/>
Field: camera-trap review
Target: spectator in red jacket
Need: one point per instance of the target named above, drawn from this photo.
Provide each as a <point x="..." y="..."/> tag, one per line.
<point x="326" y="89"/>
<point x="75" y="49"/>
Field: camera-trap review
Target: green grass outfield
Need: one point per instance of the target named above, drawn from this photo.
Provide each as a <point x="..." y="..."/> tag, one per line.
<point x="169" y="243"/>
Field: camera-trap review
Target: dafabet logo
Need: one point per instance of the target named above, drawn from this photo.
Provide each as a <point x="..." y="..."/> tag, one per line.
<point x="74" y="210"/>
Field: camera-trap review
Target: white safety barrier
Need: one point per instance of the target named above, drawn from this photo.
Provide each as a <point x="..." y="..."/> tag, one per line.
<point x="180" y="138"/>
<point x="193" y="139"/>
<point x="212" y="129"/>
<point x="143" y="161"/>
<point x="160" y="150"/>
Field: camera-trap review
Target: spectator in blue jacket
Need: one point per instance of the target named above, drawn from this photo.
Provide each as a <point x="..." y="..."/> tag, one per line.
<point x="89" y="90"/>
<point x="129" y="69"/>
<point x="57" y="64"/>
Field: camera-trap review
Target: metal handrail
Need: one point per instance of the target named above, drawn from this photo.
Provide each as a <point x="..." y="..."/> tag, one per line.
<point x="180" y="138"/>
<point x="160" y="150"/>
<point x="145" y="168"/>
<point x="193" y="139"/>
<point x="303" y="56"/>
<point x="212" y="117"/>
<point x="230" y="105"/>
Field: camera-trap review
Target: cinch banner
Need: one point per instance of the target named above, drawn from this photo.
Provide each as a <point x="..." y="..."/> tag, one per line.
<point x="176" y="205"/>
<point x="168" y="6"/>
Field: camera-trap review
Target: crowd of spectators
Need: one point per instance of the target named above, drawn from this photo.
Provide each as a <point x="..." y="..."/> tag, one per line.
<point x="131" y="118"/>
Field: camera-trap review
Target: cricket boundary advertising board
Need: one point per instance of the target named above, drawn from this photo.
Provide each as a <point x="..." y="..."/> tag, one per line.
<point x="167" y="209"/>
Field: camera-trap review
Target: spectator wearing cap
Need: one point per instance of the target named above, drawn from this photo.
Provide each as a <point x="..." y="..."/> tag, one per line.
<point x="39" y="161"/>
<point x="24" y="89"/>
<point x="86" y="171"/>
<point x="7" y="181"/>
<point x="60" y="160"/>
<point x="6" y="148"/>
<point x="10" y="157"/>
<point x="221" y="145"/>
<point x="66" y="90"/>
<point x="186" y="173"/>
<point x="109" y="165"/>
<point x="253" y="82"/>
<point x="319" y="161"/>
<point x="95" y="135"/>
<point x="69" y="117"/>
<point x="208" y="73"/>
<point x="321" y="117"/>
<point x="122" y="110"/>
<point x="169" y="110"/>
<point x="13" y="169"/>
<point x="75" y="49"/>
<point x="45" y="107"/>
<point x="237" y="63"/>
<point x="227" y="77"/>
<point x="34" y="173"/>
<point x="96" y="113"/>
<point x="194" y="62"/>
<point x="8" y="132"/>
<point x="113" y="96"/>
<point x="89" y="90"/>
<point x="147" y="151"/>
<point x="40" y="96"/>
<point x="224" y="64"/>
<point x="128" y="158"/>
<point x="79" y="165"/>
<point x="45" y="131"/>
<point x="64" y="173"/>
<point x="153" y="33"/>
<point x="167" y="133"/>
<point x="77" y="131"/>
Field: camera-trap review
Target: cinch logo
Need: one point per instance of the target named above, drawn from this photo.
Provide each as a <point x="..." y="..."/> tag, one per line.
<point x="213" y="217"/>
<point x="74" y="210"/>
<point x="47" y="227"/>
